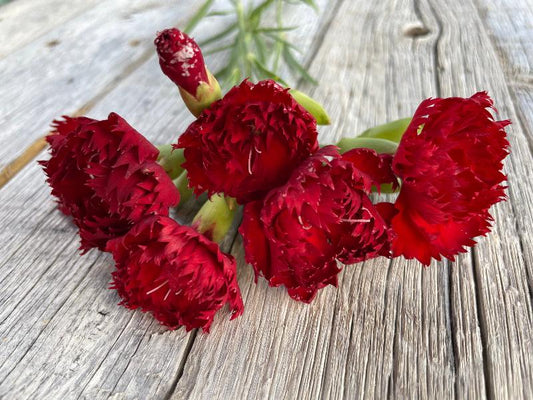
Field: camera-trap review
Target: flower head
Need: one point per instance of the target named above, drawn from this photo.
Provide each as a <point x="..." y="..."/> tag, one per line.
<point x="175" y="273"/>
<point x="256" y="135"/>
<point x="104" y="175"/>
<point x="294" y="236"/>
<point x="450" y="161"/>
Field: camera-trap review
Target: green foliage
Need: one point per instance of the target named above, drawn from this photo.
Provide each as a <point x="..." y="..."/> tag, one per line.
<point x="255" y="49"/>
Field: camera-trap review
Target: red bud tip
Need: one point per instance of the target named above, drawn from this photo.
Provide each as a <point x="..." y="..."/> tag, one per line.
<point x="181" y="59"/>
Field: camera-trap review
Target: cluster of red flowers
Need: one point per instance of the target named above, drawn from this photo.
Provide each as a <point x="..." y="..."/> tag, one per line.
<point x="305" y="207"/>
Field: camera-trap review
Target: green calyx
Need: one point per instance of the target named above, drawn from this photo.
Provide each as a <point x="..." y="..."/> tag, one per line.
<point x="392" y="131"/>
<point x="170" y="159"/>
<point x="206" y="94"/>
<point x="379" y="145"/>
<point x="182" y="185"/>
<point x="215" y="217"/>
<point x="382" y="138"/>
<point x="312" y="106"/>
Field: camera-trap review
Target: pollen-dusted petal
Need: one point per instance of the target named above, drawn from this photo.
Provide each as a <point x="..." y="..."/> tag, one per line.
<point x="181" y="59"/>
<point x="256" y="135"/>
<point x="450" y="162"/>
<point x="175" y="273"/>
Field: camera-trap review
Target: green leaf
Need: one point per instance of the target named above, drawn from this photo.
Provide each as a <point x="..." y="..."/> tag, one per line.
<point x="380" y="145"/>
<point x="390" y="131"/>
<point x="312" y="106"/>
<point x="291" y="61"/>
<point x="276" y="29"/>
<point x="219" y="35"/>
<point x="310" y="3"/>
<point x="196" y="18"/>
<point x="219" y="13"/>
<point x="281" y="40"/>
<point x="218" y="49"/>
<point x="267" y="73"/>
<point x="261" y="48"/>
<point x="255" y="14"/>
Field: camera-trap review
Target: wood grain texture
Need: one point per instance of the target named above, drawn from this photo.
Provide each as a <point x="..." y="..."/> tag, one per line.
<point x="95" y="50"/>
<point x="391" y="330"/>
<point x="503" y="265"/>
<point x="21" y="22"/>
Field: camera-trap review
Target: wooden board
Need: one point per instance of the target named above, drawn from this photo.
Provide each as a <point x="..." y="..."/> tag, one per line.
<point x="70" y="67"/>
<point x="391" y="330"/>
<point x="23" y="21"/>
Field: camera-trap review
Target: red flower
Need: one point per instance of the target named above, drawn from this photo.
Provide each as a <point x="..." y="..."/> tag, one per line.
<point x="181" y="59"/>
<point x="175" y="273"/>
<point x="104" y="175"/>
<point x="248" y="142"/>
<point x="449" y="161"/>
<point x="295" y="234"/>
<point x="370" y="237"/>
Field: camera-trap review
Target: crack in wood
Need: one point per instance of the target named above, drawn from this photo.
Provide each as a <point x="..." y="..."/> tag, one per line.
<point x="181" y="368"/>
<point x="489" y="391"/>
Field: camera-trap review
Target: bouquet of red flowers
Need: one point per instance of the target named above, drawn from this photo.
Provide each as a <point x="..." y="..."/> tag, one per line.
<point x="308" y="208"/>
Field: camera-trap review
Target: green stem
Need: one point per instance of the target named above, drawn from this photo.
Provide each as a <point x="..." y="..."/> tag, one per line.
<point x="245" y="38"/>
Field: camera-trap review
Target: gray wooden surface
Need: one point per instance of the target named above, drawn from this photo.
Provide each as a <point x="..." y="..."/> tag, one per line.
<point x="391" y="330"/>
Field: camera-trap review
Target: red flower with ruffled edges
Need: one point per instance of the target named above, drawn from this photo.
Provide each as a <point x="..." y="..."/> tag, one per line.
<point x="175" y="273"/>
<point x="248" y="142"/>
<point x="104" y="175"/>
<point x="294" y="236"/>
<point x="450" y="161"/>
<point x="181" y="59"/>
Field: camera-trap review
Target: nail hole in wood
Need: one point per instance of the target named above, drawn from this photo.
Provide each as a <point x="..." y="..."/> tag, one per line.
<point x="415" y="30"/>
<point x="52" y="43"/>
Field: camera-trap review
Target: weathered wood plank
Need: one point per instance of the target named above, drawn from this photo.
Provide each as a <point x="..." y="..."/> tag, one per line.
<point x="510" y="26"/>
<point x="390" y="330"/>
<point x="23" y="21"/>
<point x="503" y="264"/>
<point x="40" y="82"/>
<point x="59" y="317"/>
<point x="65" y="335"/>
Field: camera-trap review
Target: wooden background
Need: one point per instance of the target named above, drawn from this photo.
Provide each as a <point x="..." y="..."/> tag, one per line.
<point x="391" y="330"/>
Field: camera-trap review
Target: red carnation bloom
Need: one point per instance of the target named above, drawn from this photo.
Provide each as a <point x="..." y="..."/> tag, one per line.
<point x="104" y="175"/>
<point x="257" y="134"/>
<point x="450" y="162"/>
<point x="175" y="273"/>
<point x="181" y="59"/>
<point x="295" y="234"/>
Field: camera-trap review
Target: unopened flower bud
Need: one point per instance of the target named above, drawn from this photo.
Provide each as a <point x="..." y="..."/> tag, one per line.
<point x="181" y="60"/>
